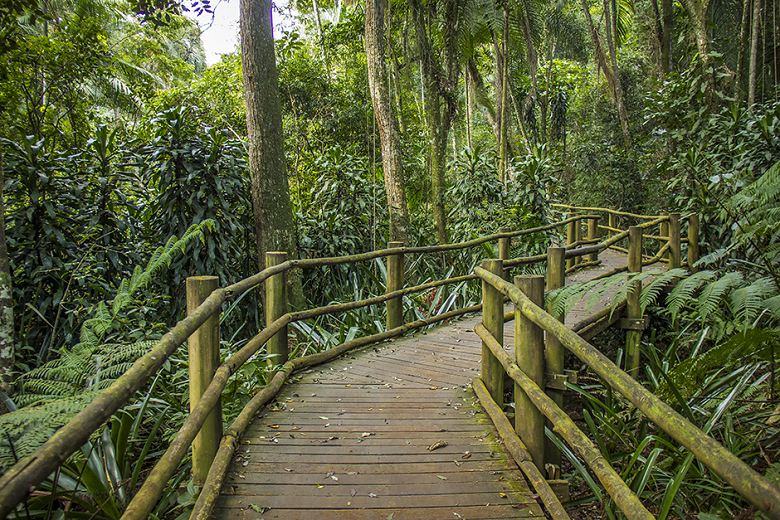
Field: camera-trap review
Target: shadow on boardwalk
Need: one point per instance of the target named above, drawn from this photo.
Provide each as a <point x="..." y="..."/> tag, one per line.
<point x="357" y="439"/>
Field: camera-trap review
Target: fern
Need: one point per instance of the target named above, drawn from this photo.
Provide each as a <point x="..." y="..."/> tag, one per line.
<point x="55" y="392"/>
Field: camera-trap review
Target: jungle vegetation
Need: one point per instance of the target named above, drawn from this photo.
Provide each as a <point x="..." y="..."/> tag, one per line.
<point x="128" y="164"/>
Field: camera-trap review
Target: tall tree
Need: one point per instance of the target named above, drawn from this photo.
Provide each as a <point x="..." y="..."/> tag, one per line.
<point x="387" y="123"/>
<point x="6" y="303"/>
<point x="697" y="13"/>
<point x="440" y="79"/>
<point x="274" y="228"/>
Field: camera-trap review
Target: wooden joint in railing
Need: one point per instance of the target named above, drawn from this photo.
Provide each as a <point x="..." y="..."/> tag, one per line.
<point x="529" y="356"/>
<point x="275" y="308"/>
<point x="203" y="357"/>
<point x="395" y="282"/>
<point x="493" y="320"/>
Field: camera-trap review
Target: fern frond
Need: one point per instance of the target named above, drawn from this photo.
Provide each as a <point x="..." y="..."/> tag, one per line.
<point x="683" y="292"/>
<point x="746" y="302"/>
<point x="652" y="291"/>
<point x="710" y="297"/>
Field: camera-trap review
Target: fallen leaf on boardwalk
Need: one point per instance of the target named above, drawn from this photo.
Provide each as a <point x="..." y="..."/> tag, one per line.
<point x="466" y="454"/>
<point x="372" y="495"/>
<point x="330" y="474"/>
<point x="296" y="428"/>
<point x="456" y="463"/>
<point x="352" y="472"/>
<point x="443" y="478"/>
<point x="365" y="434"/>
<point x="334" y="477"/>
<point x="352" y="492"/>
<point x="324" y="418"/>
<point x="347" y="385"/>
<point x="390" y="516"/>
<point x="258" y="508"/>
<point x="319" y="486"/>
<point x="433" y="388"/>
<point x="274" y="426"/>
<point x="276" y="441"/>
<point x="288" y="470"/>
<point x="436" y="445"/>
<point x="502" y="495"/>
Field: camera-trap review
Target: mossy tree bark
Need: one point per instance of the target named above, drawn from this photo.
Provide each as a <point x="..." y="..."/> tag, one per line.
<point x="274" y="228"/>
<point x="390" y="138"/>
<point x="440" y="77"/>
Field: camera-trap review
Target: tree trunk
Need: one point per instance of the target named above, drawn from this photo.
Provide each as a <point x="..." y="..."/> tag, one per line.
<point x="697" y="11"/>
<point x="502" y="142"/>
<point x="386" y="122"/>
<point x="667" y="14"/>
<point x="6" y="303"/>
<point x="744" y="38"/>
<point x="274" y="229"/>
<point x="439" y="85"/>
<point x="753" y="54"/>
<point x="609" y="66"/>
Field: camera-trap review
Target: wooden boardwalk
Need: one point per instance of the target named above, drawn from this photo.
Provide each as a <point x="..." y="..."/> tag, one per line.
<point x="357" y="439"/>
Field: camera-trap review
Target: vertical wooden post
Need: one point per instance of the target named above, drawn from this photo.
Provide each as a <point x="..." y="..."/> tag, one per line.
<point x="275" y="308"/>
<point x="493" y="320"/>
<point x="529" y="356"/>
<point x="693" y="241"/>
<point x="504" y="249"/>
<point x="571" y="238"/>
<point x="674" y="240"/>
<point x="593" y="234"/>
<point x="612" y="222"/>
<point x="553" y="352"/>
<point x="203" y="350"/>
<point x="395" y="282"/>
<point x="578" y="238"/>
<point x="634" y="333"/>
<point x="663" y="230"/>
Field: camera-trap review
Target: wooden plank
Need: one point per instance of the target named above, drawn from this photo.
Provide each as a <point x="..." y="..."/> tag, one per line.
<point x="484" y="512"/>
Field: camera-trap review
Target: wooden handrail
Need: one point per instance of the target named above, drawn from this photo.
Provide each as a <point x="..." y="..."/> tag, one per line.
<point x="605" y="210"/>
<point x="747" y="482"/>
<point x="30" y="471"/>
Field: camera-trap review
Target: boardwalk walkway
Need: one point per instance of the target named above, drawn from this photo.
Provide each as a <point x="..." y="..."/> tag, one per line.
<point x="356" y="438"/>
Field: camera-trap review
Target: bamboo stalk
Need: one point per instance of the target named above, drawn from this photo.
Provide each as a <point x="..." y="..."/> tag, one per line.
<point x="674" y="240"/>
<point x="519" y="452"/>
<point x="748" y="483"/>
<point x="609" y="478"/>
<point x="634" y="337"/>
<point x="553" y="351"/>
<point x="582" y="266"/>
<point x="693" y="241"/>
<point x="504" y="250"/>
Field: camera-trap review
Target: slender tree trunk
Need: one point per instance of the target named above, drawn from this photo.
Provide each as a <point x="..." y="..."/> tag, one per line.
<point x="609" y="66"/>
<point x="6" y="303"/>
<point x="439" y="83"/>
<point x="274" y="229"/>
<point x="753" y="54"/>
<point x="386" y="121"/>
<point x="666" y="40"/>
<point x="503" y="152"/>
<point x="697" y="12"/>
<point x="744" y="39"/>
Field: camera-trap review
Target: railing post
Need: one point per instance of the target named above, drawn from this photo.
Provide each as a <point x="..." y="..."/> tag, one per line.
<point x="571" y="237"/>
<point x="593" y="235"/>
<point x="556" y="278"/>
<point x="493" y="320"/>
<point x="674" y="240"/>
<point x="275" y="308"/>
<point x="578" y="238"/>
<point x="663" y="230"/>
<point x="693" y="241"/>
<point x="529" y="356"/>
<point x="395" y="282"/>
<point x="634" y="322"/>
<point x="504" y="249"/>
<point x="612" y="222"/>
<point x="203" y="350"/>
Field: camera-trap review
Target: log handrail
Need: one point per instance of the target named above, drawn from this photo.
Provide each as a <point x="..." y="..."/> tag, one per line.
<point x="16" y="483"/>
<point x="747" y="482"/>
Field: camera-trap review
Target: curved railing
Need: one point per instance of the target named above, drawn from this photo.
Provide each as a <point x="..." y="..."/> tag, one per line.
<point x="531" y="373"/>
<point x="204" y="305"/>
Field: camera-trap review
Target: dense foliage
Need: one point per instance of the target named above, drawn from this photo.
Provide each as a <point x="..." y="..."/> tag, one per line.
<point x="115" y="139"/>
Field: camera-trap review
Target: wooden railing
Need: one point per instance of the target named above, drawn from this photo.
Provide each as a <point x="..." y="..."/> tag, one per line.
<point x="533" y="372"/>
<point x="210" y="459"/>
